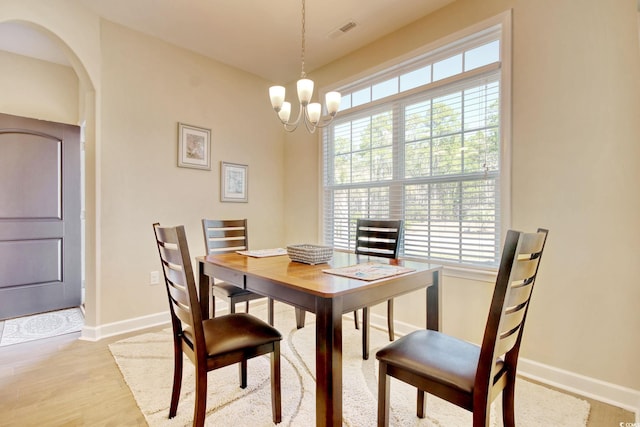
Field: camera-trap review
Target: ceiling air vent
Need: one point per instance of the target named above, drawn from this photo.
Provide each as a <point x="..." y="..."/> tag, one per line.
<point x="342" y="29"/>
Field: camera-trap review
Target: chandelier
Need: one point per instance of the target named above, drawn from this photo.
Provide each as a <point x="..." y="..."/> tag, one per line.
<point x="309" y="112"/>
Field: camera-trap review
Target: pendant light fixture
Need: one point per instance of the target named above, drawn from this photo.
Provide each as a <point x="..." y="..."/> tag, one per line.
<point x="309" y="112"/>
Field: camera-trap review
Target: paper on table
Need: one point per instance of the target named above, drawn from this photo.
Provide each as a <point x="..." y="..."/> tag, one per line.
<point x="261" y="253"/>
<point x="369" y="271"/>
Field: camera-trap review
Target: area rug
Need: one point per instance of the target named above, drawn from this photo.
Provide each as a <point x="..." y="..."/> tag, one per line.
<point x="43" y="325"/>
<point x="146" y="365"/>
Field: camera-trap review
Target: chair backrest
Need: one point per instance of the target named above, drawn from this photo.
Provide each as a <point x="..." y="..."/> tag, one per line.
<point x="521" y="257"/>
<point x="223" y="236"/>
<point x="379" y="237"/>
<point x="181" y="287"/>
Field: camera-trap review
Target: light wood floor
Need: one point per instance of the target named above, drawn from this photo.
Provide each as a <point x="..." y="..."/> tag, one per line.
<point x="64" y="381"/>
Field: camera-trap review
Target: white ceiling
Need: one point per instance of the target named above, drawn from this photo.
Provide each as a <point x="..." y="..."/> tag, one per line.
<point x="262" y="37"/>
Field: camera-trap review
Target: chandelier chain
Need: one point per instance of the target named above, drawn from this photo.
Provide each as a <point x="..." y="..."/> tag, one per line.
<point x="303" y="74"/>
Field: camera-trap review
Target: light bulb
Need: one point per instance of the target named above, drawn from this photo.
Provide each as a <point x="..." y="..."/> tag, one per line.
<point x="305" y="91"/>
<point x="333" y="102"/>
<point x="276" y="93"/>
<point x="313" y="112"/>
<point x="285" y="112"/>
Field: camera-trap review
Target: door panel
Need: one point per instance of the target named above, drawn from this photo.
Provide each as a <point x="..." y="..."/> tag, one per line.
<point x="30" y="173"/>
<point x="40" y="228"/>
<point x="40" y="262"/>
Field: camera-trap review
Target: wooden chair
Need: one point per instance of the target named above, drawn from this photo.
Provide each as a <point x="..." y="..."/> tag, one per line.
<point x="212" y="343"/>
<point x="377" y="237"/>
<point x="224" y="236"/>
<point x="462" y="373"/>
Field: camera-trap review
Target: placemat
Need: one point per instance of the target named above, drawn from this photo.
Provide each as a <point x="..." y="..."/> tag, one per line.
<point x="262" y="253"/>
<point x="369" y="271"/>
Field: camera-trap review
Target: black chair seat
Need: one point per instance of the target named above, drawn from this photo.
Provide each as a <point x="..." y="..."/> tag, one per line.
<point x="221" y="333"/>
<point x="436" y="356"/>
<point x="231" y="290"/>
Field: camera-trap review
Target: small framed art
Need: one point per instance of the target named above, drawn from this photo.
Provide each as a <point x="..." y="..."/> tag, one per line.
<point x="194" y="147"/>
<point x="234" y="182"/>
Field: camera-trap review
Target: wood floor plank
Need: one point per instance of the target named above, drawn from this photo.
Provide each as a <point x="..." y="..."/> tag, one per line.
<point x="64" y="381"/>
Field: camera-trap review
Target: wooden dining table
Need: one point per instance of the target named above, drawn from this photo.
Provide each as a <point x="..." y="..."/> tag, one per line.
<point x="328" y="296"/>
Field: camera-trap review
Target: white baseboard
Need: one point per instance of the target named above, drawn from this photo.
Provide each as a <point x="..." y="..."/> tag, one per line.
<point x="138" y="323"/>
<point x="612" y="394"/>
<point x="124" y="326"/>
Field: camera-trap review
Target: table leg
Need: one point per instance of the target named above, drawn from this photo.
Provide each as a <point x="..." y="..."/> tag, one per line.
<point x="300" y="316"/>
<point x="204" y="289"/>
<point x="365" y="333"/>
<point x="329" y="362"/>
<point x="434" y="321"/>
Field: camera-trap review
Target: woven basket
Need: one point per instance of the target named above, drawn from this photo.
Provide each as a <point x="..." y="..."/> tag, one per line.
<point x="310" y="254"/>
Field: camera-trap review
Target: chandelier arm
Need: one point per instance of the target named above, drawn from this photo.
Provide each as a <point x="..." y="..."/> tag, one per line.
<point x="325" y="121"/>
<point x="291" y="126"/>
<point x="297" y="121"/>
<point x="310" y="126"/>
<point x="325" y="124"/>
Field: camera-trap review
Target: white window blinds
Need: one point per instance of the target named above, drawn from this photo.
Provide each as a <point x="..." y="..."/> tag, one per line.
<point x="424" y="147"/>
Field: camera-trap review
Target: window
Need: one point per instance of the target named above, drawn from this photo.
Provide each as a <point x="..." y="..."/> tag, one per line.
<point x="422" y="142"/>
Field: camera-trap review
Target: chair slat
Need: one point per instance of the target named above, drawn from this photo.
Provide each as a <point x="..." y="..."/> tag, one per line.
<point x="171" y="255"/>
<point x="225" y="223"/>
<point x="519" y="295"/>
<point x="216" y="233"/>
<point x="512" y="320"/>
<point x="532" y="243"/>
<point x="524" y="269"/>
<point x="226" y="245"/>
<point x="183" y="314"/>
<point x="179" y="294"/>
<point x="364" y="245"/>
<point x="505" y="344"/>
<point x="175" y="276"/>
<point x="167" y="235"/>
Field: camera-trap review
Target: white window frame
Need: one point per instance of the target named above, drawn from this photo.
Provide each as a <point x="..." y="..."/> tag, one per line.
<point x="504" y="21"/>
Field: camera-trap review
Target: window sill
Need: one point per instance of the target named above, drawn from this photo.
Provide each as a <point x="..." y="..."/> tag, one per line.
<point x="469" y="273"/>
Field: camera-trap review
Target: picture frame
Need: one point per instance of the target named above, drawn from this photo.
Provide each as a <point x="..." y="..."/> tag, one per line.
<point x="194" y="147"/>
<point x="234" y="180"/>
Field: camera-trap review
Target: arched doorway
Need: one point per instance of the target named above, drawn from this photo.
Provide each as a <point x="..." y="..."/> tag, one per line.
<point x="86" y="118"/>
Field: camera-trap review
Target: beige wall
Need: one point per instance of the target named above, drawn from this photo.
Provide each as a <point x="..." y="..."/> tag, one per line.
<point x="575" y="149"/>
<point x="148" y="87"/>
<point x="55" y="87"/>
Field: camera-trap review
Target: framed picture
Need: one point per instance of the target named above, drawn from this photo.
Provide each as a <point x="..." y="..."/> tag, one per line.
<point x="194" y="147"/>
<point x="233" y="182"/>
